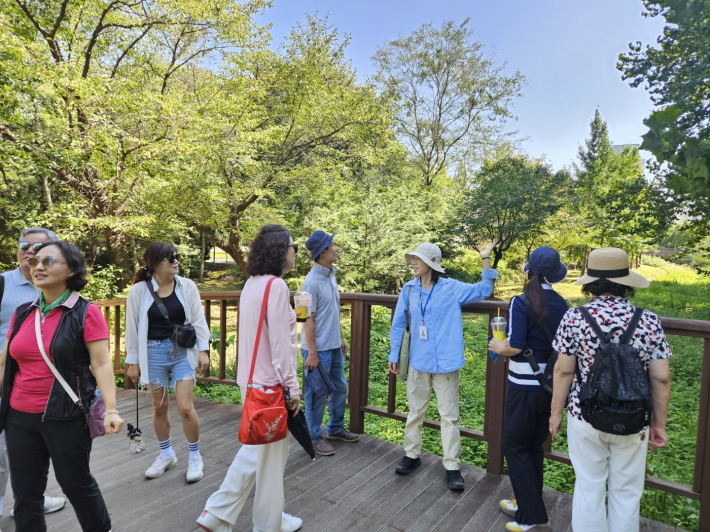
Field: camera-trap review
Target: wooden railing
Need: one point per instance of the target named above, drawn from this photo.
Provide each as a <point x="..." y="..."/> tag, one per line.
<point x="496" y="376"/>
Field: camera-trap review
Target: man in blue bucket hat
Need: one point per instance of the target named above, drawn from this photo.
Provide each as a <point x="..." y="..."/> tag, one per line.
<point x="325" y="346"/>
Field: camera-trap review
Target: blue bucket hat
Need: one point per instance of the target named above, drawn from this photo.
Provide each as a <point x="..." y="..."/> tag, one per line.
<point x="545" y="261"/>
<point x="317" y="243"/>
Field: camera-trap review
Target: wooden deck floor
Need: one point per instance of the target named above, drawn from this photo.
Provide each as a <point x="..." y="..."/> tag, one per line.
<point x="354" y="490"/>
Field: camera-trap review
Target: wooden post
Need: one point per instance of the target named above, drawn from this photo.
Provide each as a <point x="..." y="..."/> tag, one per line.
<point x="496" y="376"/>
<point x="117" y="337"/>
<point x="358" y="378"/>
<point x="701" y="476"/>
<point x="202" y="259"/>
<point x="222" y="338"/>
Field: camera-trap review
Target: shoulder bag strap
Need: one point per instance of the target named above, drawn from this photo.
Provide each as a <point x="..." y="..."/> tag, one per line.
<point x="631" y="328"/>
<point x="158" y="301"/>
<point x="57" y="375"/>
<point x="258" y="331"/>
<point x="407" y="315"/>
<point x="593" y="324"/>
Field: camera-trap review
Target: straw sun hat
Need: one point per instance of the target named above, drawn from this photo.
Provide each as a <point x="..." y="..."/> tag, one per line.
<point x="611" y="264"/>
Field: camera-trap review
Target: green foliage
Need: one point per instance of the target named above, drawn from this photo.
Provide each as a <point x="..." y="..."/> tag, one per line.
<point x="102" y="284"/>
<point x="215" y="341"/>
<point x="675" y="73"/>
<point x="508" y="200"/>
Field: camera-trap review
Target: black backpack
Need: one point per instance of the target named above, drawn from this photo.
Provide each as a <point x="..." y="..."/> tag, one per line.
<point x="616" y="398"/>
<point x="545" y="378"/>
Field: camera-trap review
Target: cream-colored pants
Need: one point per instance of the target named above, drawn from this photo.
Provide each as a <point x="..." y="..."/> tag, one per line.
<point x="260" y="464"/>
<point x="599" y="457"/>
<point x="446" y="388"/>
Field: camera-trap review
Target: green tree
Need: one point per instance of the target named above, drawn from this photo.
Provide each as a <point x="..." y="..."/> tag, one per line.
<point x="509" y="199"/>
<point x="676" y="75"/>
<point x="453" y="100"/>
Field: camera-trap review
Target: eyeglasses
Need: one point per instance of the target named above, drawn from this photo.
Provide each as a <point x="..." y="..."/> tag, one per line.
<point x="24" y="245"/>
<point x="172" y="258"/>
<point x="46" y="261"/>
<point x="295" y="247"/>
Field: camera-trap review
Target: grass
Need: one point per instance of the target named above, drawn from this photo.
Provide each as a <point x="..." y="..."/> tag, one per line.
<point x="675" y="291"/>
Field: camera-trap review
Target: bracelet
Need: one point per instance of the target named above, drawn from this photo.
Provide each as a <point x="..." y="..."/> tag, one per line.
<point x="110" y="412"/>
<point x="553" y="414"/>
<point x="484" y="258"/>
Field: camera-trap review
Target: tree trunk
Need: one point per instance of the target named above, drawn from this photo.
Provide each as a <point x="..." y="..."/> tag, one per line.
<point x="584" y="261"/>
<point x="118" y="253"/>
<point x="496" y="260"/>
<point x="202" y="257"/>
<point x="234" y="248"/>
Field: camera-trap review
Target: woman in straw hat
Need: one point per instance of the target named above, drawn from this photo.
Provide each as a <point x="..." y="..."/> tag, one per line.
<point x="436" y="351"/>
<point x="534" y="317"/>
<point x="599" y="457"/>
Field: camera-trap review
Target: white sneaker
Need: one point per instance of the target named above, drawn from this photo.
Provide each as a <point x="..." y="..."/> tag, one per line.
<point x="161" y="465"/>
<point x="53" y="504"/>
<point x="194" y="469"/>
<point x="212" y="523"/>
<point x="509" y="507"/>
<point x="289" y="523"/>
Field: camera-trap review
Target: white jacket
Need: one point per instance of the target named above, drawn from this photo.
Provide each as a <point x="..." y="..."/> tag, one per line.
<point x="137" y="305"/>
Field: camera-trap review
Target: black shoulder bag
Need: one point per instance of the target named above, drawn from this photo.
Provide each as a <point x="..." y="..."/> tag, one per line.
<point x="184" y="335"/>
<point x="545" y="378"/>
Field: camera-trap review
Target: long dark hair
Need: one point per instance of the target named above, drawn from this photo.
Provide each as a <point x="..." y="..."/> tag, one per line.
<point x="152" y="256"/>
<point x="268" y="251"/>
<point x="605" y="286"/>
<point x="535" y="296"/>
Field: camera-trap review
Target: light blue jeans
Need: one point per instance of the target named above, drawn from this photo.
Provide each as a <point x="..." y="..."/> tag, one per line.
<point x="165" y="361"/>
<point x="331" y="362"/>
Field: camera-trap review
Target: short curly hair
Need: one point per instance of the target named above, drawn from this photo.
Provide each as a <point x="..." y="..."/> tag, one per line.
<point x="75" y="262"/>
<point x="605" y="286"/>
<point x="268" y="250"/>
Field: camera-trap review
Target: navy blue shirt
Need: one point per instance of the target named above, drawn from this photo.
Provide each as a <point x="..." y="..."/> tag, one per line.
<point x="524" y="333"/>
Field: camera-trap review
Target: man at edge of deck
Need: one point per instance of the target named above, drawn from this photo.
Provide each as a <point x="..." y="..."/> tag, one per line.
<point x="17" y="290"/>
<point x="325" y="345"/>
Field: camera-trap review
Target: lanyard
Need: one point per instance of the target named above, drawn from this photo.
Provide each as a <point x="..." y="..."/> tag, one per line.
<point x="423" y="308"/>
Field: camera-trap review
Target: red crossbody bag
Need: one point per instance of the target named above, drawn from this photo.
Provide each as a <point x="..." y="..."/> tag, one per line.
<point x="264" y="415"/>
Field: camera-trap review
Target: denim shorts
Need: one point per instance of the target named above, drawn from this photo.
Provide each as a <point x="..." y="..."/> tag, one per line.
<point x="167" y="363"/>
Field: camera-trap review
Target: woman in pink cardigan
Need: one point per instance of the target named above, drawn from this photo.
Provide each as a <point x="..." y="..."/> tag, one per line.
<point x="272" y="254"/>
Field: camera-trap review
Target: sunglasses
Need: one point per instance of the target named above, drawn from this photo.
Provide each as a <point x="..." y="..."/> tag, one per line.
<point x="24" y="246"/>
<point x="295" y="247"/>
<point x="172" y="258"/>
<point x="46" y="261"/>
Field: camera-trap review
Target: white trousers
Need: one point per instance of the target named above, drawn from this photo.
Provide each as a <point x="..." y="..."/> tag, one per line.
<point x="446" y="388"/>
<point x="599" y="458"/>
<point x="260" y="464"/>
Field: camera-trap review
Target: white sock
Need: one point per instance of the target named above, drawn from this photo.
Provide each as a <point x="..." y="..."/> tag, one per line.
<point x="166" y="448"/>
<point x="194" y="450"/>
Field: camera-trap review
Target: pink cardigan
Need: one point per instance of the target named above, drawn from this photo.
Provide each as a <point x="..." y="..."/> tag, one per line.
<point x="278" y="335"/>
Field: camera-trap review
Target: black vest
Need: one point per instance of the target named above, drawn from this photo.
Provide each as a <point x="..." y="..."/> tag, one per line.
<point x="71" y="358"/>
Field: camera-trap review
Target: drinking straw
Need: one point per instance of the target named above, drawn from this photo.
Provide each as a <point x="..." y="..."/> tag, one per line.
<point x="499" y="312"/>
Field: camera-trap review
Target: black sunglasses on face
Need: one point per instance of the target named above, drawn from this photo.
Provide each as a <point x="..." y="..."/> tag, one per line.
<point x="172" y="258"/>
<point x="295" y="247"/>
<point x="46" y="261"/>
<point x="24" y="245"/>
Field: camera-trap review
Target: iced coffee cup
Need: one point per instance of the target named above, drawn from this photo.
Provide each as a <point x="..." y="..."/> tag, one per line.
<point x="302" y="305"/>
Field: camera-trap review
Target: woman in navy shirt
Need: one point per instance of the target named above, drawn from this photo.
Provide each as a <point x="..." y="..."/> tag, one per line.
<point x="534" y="318"/>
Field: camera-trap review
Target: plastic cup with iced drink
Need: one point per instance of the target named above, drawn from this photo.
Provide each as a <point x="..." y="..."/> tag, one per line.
<point x="302" y="305"/>
<point x="498" y="326"/>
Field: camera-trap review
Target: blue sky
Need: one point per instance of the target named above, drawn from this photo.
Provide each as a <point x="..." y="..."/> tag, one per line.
<point x="567" y="49"/>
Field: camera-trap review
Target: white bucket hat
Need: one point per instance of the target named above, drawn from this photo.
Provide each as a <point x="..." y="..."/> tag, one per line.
<point x="612" y="264"/>
<point x="429" y="253"/>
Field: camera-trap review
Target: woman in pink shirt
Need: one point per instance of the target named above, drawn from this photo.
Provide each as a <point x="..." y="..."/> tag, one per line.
<point x="272" y="254"/>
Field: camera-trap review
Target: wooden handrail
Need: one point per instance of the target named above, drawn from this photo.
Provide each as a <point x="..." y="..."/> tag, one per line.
<point x="496" y="376"/>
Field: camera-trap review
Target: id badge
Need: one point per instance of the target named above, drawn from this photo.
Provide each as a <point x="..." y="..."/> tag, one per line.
<point x="423" y="332"/>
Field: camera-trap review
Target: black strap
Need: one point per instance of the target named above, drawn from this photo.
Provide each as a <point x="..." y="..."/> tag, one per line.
<point x="407" y="315"/>
<point x="528" y="354"/>
<point x="593" y="324"/>
<point x="2" y="288"/>
<point x="631" y="328"/>
<point x="158" y="301"/>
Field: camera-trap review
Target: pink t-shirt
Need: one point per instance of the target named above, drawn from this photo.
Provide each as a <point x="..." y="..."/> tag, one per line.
<point x="33" y="381"/>
<point x="278" y="336"/>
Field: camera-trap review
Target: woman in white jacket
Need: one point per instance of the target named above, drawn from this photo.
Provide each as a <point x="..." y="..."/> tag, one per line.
<point x="153" y="356"/>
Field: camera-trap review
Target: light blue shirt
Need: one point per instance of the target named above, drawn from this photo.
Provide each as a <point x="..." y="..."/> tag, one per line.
<point x="321" y="284"/>
<point x="442" y="351"/>
<point x="18" y="291"/>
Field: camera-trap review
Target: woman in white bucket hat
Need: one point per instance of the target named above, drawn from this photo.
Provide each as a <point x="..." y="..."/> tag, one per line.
<point x="436" y="352"/>
<point x="599" y="457"/>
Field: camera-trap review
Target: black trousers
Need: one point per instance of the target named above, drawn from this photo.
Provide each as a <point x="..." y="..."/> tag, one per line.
<point x="527" y="415"/>
<point x="31" y="442"/>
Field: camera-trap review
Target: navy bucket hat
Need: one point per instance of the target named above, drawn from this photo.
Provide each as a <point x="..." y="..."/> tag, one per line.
<point x="317" y="243"/>
<point x="545" y="261"/>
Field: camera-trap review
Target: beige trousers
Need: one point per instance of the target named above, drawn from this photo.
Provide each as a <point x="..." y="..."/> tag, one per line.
<point x="446" y="388"/>
<point x="264" y="466"/>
